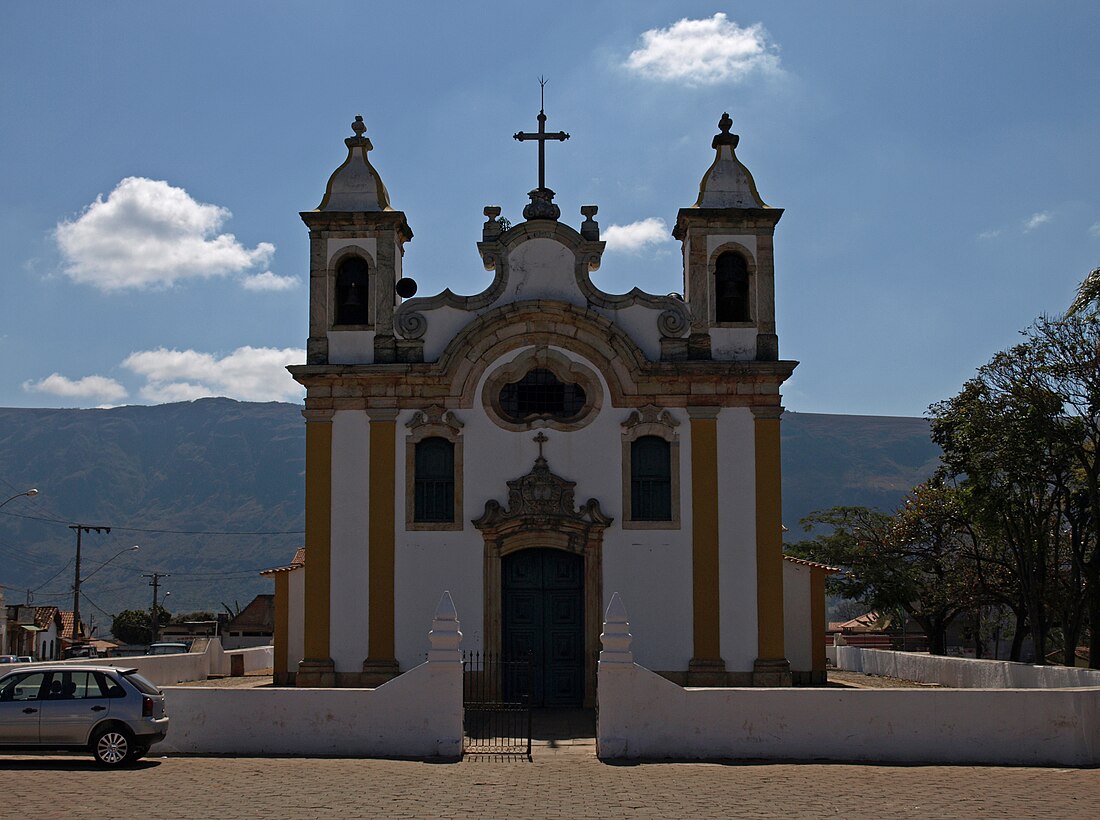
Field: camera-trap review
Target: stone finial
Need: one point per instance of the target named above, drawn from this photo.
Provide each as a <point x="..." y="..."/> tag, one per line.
<point x="590" y="228"/>
<point x="445" y="636"/>
<point x="358" y="127"/>
<point x="493" y="226"/>
<point x="616" y="638"/>
<point x="725" y="138"/>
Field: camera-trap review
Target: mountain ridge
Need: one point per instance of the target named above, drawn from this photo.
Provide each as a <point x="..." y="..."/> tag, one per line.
<point x="229" y="477"/>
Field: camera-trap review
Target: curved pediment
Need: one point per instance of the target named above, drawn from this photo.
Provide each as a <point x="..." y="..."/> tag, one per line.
<point x="541" y="499"/>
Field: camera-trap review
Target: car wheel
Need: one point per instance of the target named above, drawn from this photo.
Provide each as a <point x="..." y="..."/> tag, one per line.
<point x="114" y="746"/>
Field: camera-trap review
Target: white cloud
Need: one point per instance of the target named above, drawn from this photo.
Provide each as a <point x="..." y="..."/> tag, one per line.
<point x="1036" y="219"/>
<point x="704" y="52"/>
<point x="248" y="374"/>
<point x="634" y="237"/>
<point x="99" y="388"/>
<point x="148" y="234"/>
<point x="990" y="234"/>
<point x="269" y="281"/>
<point x="1094" y="230"/>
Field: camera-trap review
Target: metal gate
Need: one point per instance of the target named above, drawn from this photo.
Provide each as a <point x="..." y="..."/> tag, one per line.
<point x="496" y="701"/>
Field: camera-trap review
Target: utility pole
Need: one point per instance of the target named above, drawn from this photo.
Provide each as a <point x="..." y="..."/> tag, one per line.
<point x="80" y="528"/>
<point x="155" y="584"/>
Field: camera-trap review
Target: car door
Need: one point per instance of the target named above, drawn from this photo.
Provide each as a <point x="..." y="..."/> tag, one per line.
<point x="74" y="703"/>
<point x="20" y="708"/>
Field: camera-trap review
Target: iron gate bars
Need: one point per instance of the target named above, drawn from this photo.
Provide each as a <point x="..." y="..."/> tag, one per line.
<point x="496" y="700"/>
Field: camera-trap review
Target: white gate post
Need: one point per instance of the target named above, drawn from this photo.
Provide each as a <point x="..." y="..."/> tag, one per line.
<point x="445" y="666"/>
<point x="614" y="686"/>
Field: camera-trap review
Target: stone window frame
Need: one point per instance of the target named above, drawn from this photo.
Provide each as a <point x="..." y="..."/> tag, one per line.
<point x="564" y="368"/>
<point x="333" y="267"/>
<point x="712" y="272"/>
<point x="651" y="420"/>
<point x="432" y="422"/>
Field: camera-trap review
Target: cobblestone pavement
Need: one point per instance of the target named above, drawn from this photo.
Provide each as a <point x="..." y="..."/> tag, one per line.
<point x="565" y="782"/>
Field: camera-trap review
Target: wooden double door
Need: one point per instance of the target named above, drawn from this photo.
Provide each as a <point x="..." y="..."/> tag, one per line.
<point x="542" y="614"/>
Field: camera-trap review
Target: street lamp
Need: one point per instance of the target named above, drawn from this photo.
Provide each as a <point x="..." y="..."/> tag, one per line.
<point x="134" y="548"/>
<point x="29" y="493"/>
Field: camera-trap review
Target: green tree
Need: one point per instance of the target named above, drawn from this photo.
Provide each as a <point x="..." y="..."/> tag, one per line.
<point x="132" y="625"/>
<point x="915" y="561"/>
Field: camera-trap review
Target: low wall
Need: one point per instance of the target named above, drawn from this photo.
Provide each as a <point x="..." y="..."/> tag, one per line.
<point x="255" y="659"/>
<point x="162" y="670"/>
<point x="642" y="715"/>
<point x="417" y="714"/>
<point x="960" y="673"/>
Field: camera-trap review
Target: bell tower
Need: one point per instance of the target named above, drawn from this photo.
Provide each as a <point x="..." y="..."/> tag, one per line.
<point x="729" y="275"/>
<point x="356" y="245"/>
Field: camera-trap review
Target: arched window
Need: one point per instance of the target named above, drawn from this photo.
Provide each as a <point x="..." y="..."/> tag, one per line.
<point x="434" y="483"/>
<point x="351" y="292"/>
<point x="731" y="288"/>
<point x="540" y="392"/>
<point x="650" y="479"/>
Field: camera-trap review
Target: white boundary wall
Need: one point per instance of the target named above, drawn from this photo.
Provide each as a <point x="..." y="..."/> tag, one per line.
<point x="162" y="670"/>
<point x="642" y="715"/>
<point x="417" y="714"/>
<point x="256" y="658"/>
<point x="959" y="673"/>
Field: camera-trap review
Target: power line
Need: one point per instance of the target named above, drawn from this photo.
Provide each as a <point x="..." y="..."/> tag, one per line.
<point x="167" y="532"/>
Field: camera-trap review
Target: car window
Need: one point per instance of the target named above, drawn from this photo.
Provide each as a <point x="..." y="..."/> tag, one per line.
<point x="87" y="685"/>
<point x="22" y="687"/>
<point x="108" y="686"/>
<point x="142" y="684"/>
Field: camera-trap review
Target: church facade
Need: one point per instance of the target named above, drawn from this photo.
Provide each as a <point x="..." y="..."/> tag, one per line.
<point x="540" y="445"/>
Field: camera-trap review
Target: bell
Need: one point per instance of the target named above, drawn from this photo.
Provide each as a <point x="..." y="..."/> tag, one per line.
<point x="352" y="299"/>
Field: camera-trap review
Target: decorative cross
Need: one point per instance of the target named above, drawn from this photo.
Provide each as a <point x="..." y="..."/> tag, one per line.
<point x="541" y="439"/>
<point x="541" y="136"/>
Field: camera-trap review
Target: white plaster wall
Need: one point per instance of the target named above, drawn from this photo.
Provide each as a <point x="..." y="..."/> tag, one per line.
<point x="351" y="346"/>
<point x="716" y="240"/>
<point x="961" y="673"/>
<point x="443" y="325"/>
<point x="737" y="539"/>
<point x="650" y="568"/>
<point x="643" y="715"/>
<point x="296" y="618"/>
<point x="334" y="246"/>
<point x="640" y="323"/>
<point x="541" y="269"/>
<point x="255" y="657"/>
<point x="350" y="509"/>
<point x="162" y="670"/>
<point x="417" y="714"/>
<point x="733" y="343"/>
<point x="798" y="634"/>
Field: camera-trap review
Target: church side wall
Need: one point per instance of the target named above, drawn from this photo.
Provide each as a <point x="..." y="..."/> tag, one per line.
<point x="797" y="622"/>
<point x="296" y="603"/>
<point x="737" y="538"/>
<point x="350" y="508"/>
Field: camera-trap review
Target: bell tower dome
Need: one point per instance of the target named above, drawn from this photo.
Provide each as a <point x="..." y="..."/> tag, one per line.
<point x="356" y="245"/>
<point x="729" y="275"/>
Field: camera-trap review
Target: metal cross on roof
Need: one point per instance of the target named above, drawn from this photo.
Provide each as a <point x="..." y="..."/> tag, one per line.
<point x="541" y="136"/>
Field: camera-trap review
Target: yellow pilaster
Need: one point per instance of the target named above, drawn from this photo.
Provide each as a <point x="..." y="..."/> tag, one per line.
<point x="706" y="645"/>
<point x="380" y="661"/>
<point x="771" y="666"/>
<point x="316" y="668"/>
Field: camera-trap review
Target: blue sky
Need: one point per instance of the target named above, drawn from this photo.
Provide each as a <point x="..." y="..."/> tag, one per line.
<point x="937" y="162"/>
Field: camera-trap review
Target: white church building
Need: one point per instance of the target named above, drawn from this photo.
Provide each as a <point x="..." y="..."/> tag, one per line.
<point x="537" y="447"/>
